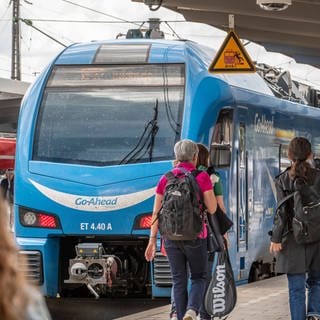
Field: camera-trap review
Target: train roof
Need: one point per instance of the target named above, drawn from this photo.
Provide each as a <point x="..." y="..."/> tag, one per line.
<point x="132" y="51"/>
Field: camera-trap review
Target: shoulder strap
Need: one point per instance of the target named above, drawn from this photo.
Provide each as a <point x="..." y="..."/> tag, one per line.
<point x="285" y="199"/>
<point x="195" y="172"/>
<point x="211" y="170"/>
<point x="192" y="175"/>
<point x="169" y="175"/>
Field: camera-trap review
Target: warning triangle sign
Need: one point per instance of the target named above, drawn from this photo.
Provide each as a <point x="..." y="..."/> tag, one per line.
<point x="232" y="57"/>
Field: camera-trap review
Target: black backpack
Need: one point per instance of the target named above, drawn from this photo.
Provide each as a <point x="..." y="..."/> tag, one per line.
<point x="306" y="209"/>
<point x="181" y="216"/>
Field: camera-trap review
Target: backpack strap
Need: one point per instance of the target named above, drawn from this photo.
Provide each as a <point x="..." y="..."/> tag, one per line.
<point x="285" y="199"/>
<point x="295" y="183"/>
<point x="192" y="175"/>
<point x="195" y="172"/>
<point x="170" y="176"/>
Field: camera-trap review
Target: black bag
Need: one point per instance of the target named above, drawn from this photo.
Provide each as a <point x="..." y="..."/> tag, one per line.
<point x="215" y="238"/>
<point x="181" y="217"/>
<point x="217" y="224"/>
<point x="306" y="213"/>
<point x="224" y="222"/>
<point x="221" y="295"/>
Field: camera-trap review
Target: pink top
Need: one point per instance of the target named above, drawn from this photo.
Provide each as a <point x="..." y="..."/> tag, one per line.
<point x="202" y="178"/>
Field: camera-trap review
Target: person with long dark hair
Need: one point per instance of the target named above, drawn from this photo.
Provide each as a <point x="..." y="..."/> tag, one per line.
<point x="19" y="300"/>
<point x="204" y="165"/>
<point x="301" y="262"/>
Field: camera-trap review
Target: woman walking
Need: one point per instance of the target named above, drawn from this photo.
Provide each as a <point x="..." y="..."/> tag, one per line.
<point x="301" y="262"/>
<point x="181" y="254"/>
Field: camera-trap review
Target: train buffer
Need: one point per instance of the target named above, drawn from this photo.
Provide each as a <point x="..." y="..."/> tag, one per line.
<point x="265" y="300"/>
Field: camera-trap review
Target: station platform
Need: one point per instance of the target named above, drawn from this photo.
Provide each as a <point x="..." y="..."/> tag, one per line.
<point x="265" y="299"/>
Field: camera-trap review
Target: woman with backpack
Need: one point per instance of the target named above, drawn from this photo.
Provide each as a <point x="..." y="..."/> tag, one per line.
<point x="301" y="262"/>
<point x="185" y="253"/>
<point x="203" y="165"/>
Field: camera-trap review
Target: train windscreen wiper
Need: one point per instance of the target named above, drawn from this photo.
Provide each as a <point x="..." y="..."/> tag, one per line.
<point x="146" y="140"/>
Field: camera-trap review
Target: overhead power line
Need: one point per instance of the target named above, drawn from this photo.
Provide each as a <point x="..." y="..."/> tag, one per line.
<point x="166" y="22"/>
<point x="30" y="24"/>
<point x="100" y="12"/>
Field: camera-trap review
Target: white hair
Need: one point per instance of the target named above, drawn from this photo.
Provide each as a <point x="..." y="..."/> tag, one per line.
<point x="186" y="150"/>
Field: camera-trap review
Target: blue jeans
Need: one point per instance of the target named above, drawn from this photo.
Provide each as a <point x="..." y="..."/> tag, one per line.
<point x="181" y="254"/>
<point x="297" y="294"/>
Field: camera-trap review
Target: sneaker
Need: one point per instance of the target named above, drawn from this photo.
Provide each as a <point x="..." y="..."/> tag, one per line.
<point x="190" y="315"/>
<point x="313" y="318"/>
<point x="173" y="316"/>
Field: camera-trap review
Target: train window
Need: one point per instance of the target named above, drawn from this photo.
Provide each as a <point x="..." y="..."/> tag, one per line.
<point x="124" y="54"/>
<point x="116" y="76"/>
<point x="107" y="115"/>
<point x="220" y="151"/>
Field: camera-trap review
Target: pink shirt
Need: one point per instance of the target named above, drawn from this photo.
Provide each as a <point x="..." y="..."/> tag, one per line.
<point x="202" y="178"/>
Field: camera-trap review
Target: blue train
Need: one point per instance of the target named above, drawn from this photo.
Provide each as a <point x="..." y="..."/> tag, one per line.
<point x="96" y="132"/>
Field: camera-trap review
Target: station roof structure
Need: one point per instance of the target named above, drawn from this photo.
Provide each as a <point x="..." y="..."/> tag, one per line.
<point x="293" y="32"/>
<point x="11" y="93"/>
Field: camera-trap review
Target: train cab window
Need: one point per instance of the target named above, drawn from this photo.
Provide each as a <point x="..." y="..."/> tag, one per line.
<point x="110" y="114"/>
<point x="220" y="150"/>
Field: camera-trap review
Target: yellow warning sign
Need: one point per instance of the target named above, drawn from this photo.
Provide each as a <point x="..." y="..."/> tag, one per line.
<point x="232" y="57"/>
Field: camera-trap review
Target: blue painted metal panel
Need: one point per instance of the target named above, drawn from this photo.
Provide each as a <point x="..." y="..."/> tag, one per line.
<point x="49" y="248"/>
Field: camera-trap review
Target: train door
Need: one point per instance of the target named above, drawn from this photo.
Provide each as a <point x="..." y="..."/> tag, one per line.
<point x="242" y="179"/>
<point x="220" y="157"/>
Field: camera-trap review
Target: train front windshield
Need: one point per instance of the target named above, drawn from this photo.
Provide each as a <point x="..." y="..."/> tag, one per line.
<point x="110" y="114"/>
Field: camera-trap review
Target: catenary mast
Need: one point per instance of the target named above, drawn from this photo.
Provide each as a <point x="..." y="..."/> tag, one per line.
<point x="15" y="52"/>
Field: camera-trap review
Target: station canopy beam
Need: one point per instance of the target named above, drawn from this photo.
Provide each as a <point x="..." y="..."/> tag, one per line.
<point x="293" y="31"/>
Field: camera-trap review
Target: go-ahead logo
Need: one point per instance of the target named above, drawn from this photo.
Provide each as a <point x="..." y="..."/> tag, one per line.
<point x="94" y="203"/>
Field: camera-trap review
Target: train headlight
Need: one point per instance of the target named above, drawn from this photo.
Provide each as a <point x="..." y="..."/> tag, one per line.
<point x="32" y="218"/>
<point x="89" y="250"/>
<point x="29" y="218"/>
